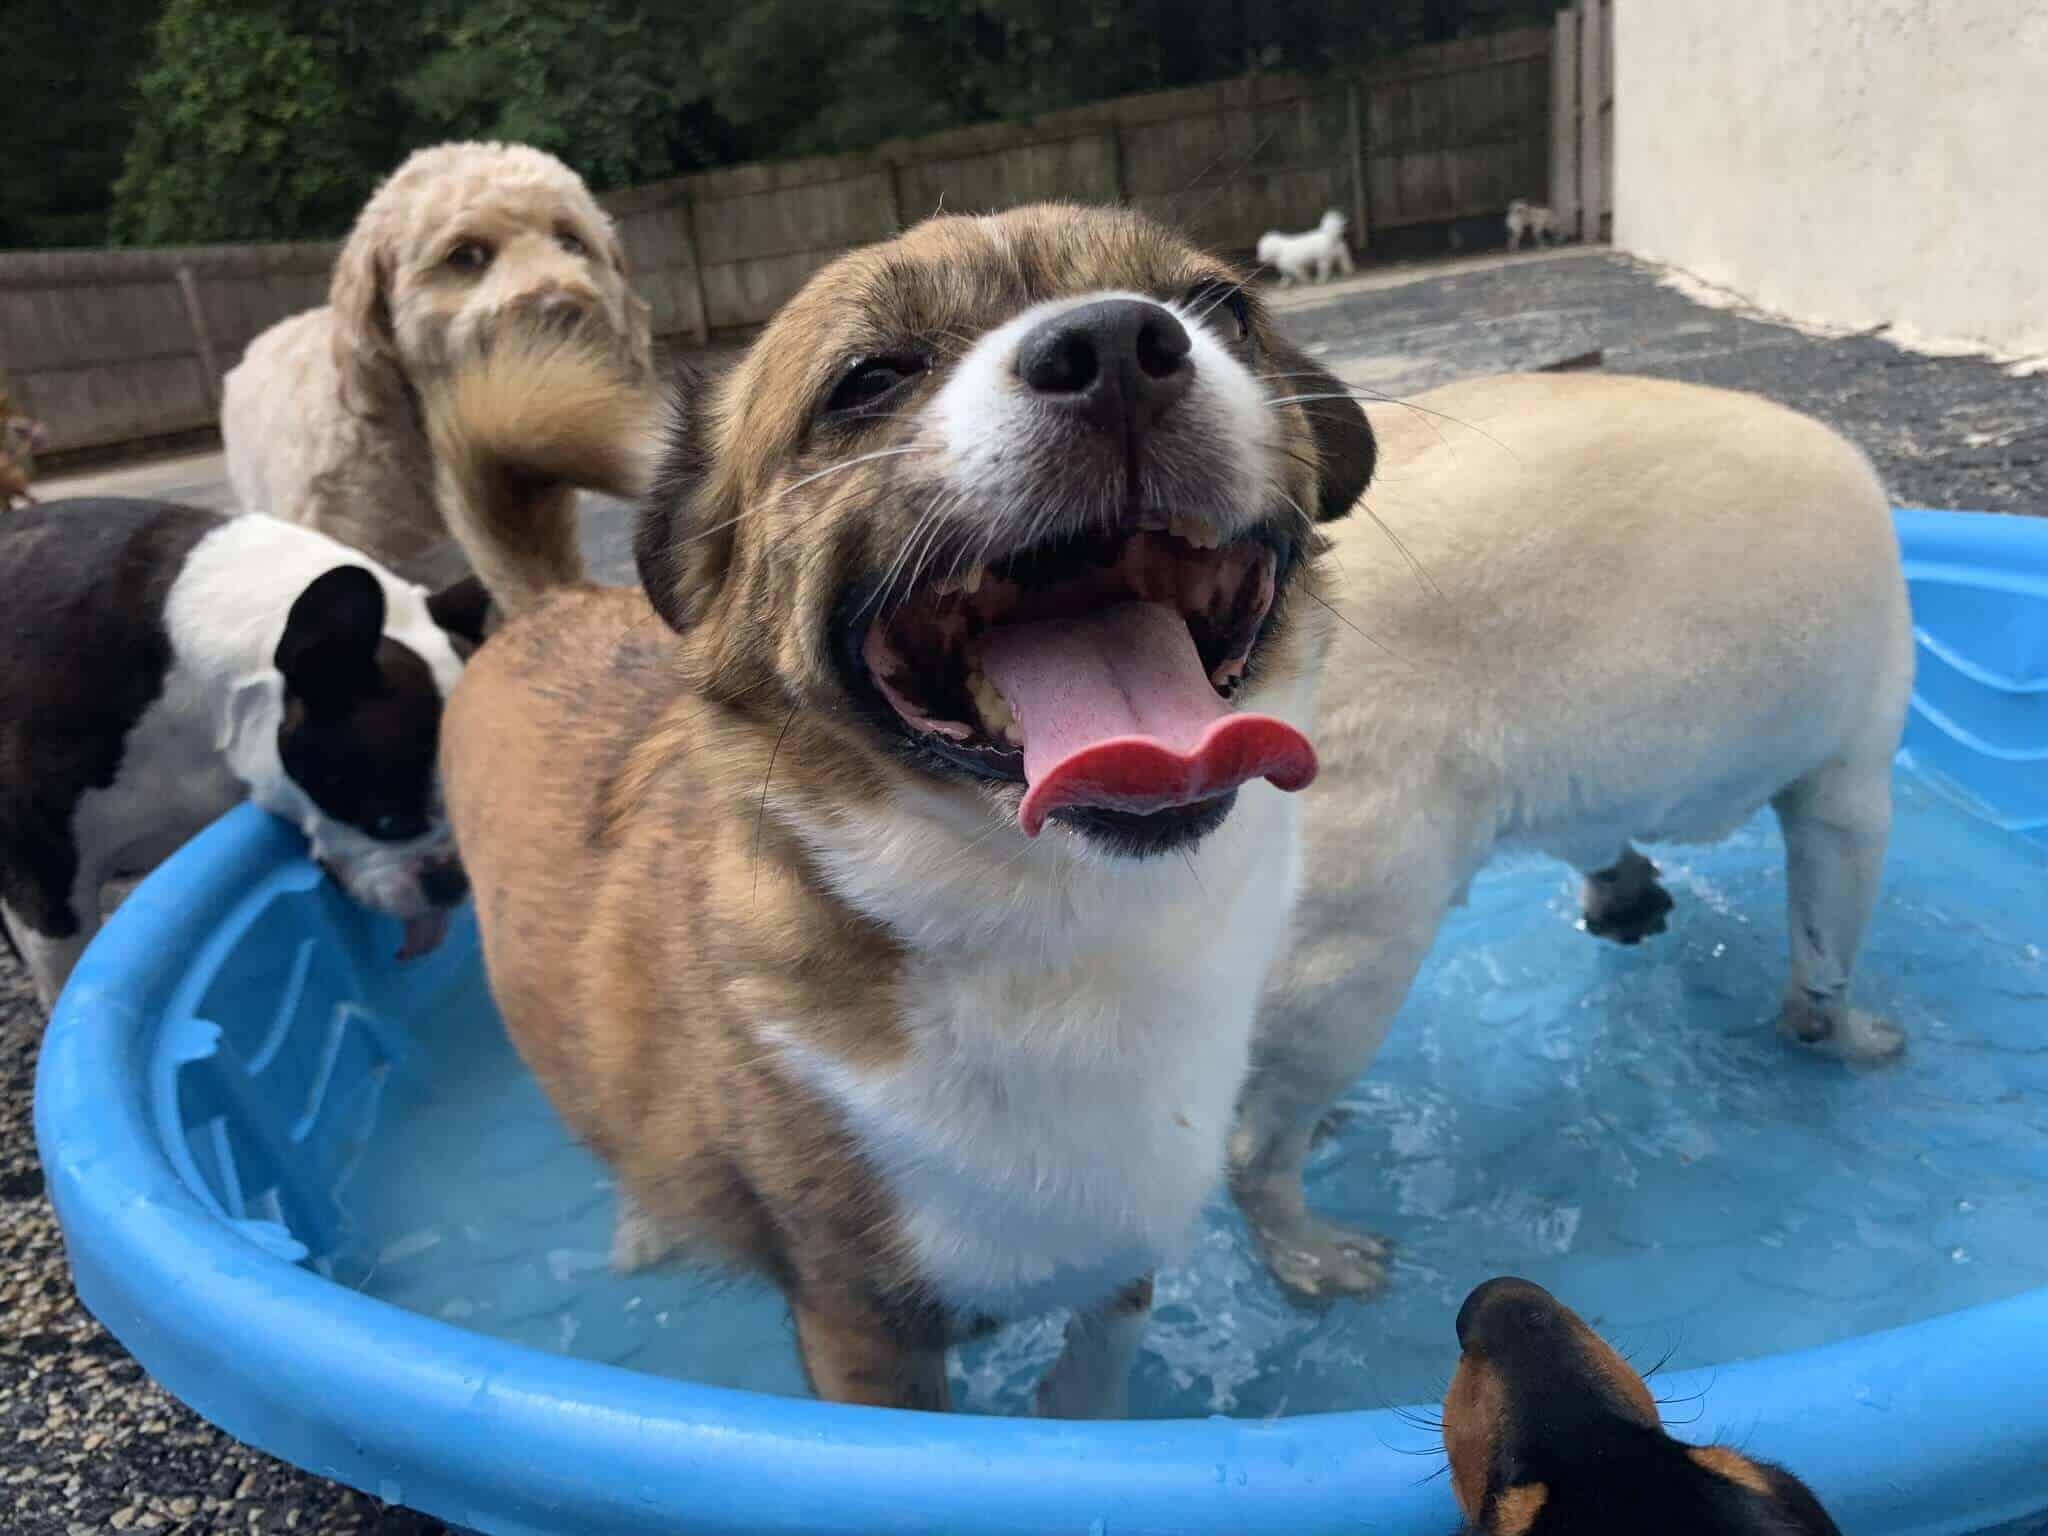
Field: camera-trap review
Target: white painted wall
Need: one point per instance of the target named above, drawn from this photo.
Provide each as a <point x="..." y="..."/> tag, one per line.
<point x="1847" y="162"/>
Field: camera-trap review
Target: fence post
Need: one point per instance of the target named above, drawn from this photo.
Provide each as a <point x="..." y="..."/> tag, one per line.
<point x="188" y="287"/>
<point x="1564" y="120"/>
<point x="895" y="171"/>
<point x="702" y="329"/>
<point x="1591" y="190"/>
<point x="1352" y="105"/>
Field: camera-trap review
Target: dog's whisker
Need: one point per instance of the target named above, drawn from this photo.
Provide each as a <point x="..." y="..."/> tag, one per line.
<point x="1359" y="392"/>
<point x="1381" y="645"/>
<point x="1394" y="538"/>
<point x="856" y="461"/>
<point x="761" y="809"/>
<point x="925" y="529"/>
<point x="926" y="549"/>
<point x="831" y="469"/>
<point x="1412" y="562"/>
<point x="1222" y="297"/>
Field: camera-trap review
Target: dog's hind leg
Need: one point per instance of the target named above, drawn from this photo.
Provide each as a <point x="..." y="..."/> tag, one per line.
<point x="1624" y="902"/>
<point x="1836" y="822"/>
<point x="638" y="1240"/>
<point x="50" y="958"/>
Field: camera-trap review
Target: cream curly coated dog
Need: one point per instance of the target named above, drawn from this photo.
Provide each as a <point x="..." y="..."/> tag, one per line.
<point x="322" y="419"/>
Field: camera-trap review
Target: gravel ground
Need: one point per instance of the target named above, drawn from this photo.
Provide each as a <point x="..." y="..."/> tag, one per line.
<point x="89" y="1444"/>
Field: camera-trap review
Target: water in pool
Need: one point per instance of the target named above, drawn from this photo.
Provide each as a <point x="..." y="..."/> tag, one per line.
<point x="1621" y="1125"/>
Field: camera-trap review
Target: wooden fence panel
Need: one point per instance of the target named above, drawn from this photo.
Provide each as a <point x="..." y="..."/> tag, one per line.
<point x="1228" y="175"/>
<point x="1564" y="121"/>
<point x="1081" y="168"/>
<point x="112" y="345"/>
<point x="1458" y="130"/>
<point x="1582" y="120"/>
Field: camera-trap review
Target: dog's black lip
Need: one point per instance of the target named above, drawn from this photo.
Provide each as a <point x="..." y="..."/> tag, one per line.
<point x="1148" y="836"/>
<point x="855" y="611"/>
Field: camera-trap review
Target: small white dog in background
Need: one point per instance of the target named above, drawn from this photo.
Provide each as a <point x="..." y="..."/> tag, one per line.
<point x="1308" y="258"/>
<point x="1535" y="220"/>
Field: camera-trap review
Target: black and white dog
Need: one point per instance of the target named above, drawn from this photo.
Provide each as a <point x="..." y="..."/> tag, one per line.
<point x="163" y="662"/>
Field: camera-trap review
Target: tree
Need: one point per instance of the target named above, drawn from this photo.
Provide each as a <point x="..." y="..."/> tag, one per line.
<point x="65" y="115"/>
<point x="259" y="121"/>
<point x="588" y="81"/>
<point x="273" y="119"/>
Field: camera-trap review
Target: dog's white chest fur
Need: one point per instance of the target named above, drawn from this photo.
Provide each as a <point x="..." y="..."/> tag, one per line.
<point x="1080" y="1033"/>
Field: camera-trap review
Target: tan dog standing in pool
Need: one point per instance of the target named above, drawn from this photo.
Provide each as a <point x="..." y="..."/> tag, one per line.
<point x="1636" y="610"/>
<point x="889" y="900"/>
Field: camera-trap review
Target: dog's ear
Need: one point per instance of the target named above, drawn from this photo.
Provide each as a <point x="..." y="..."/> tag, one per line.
<point x="1345" y="450"/>
<point x="684" y="541"/>
<point x="463" y="609"/>
<point x="365" y="347"/>
<point x="639" y="313"/>
<point x="329" y="648"/>
<point x="615" y="251"/>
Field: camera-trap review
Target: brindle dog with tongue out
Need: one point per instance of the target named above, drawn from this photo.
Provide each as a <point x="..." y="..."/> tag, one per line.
<point x="888" y="892"/>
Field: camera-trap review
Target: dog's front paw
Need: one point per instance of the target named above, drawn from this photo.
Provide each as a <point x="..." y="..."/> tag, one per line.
<point x="1320" y="1260"/>
<point x="637" y="1239"/>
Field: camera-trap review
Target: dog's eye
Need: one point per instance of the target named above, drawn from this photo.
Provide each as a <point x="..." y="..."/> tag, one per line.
<point x="470" y="256"/>
<point x="568" y="240"/>
<point x="1213" y="300"/>
<point x="397" y="826"/>
<point x="870" y="380"/>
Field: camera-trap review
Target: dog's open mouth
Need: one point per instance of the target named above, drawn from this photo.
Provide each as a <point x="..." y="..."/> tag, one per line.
<point x="1096" y="670"/>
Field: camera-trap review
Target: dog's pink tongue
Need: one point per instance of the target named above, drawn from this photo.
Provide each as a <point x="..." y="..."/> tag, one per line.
<point x="423" y="934"/>
<point x="1116" y="712"/>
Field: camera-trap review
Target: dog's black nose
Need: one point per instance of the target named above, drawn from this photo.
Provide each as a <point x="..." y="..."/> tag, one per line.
<point x="1486" y="1300"/>
<point x="444" y="884"/>
<point x="1118" y="363"/>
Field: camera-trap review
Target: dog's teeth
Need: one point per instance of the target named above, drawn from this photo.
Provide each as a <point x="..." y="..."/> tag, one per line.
<point x="1200" y="535"/>
<point x="971" y="582"/>
<point x="996" y="713"/>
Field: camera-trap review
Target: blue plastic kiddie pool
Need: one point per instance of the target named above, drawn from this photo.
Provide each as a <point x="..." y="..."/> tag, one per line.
<point x="316" y="1196"/>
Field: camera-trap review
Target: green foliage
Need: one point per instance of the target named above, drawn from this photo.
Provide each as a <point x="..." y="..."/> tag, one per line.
<point x="258" y="122"/>
<point x="584" y="80"/>
<point x="273" y="119"/>
<point x="66" y="108"/>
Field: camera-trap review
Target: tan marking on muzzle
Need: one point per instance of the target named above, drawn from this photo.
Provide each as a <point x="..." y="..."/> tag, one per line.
<point x="1474" y="1408"/>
